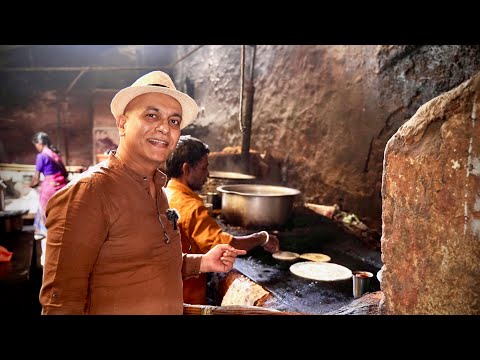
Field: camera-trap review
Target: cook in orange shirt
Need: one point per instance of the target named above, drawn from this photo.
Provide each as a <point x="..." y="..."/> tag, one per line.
<point x="187" y="168"/>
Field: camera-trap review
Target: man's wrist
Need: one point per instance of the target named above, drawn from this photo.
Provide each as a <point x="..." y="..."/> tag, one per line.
<point x="267" y="235"/>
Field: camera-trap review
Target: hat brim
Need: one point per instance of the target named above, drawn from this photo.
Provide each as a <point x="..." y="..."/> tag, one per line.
<point x="124" y="96"/>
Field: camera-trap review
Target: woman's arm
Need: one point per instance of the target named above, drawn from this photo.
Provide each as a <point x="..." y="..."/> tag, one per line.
<point x="35" y="179"/>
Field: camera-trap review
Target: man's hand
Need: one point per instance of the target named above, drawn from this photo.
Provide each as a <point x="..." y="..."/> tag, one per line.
<point x="220" y="258"/>
<point x="272" y="245"/>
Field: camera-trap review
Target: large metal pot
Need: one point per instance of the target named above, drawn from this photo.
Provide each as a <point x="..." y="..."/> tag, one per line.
<point x="257" y="206"/>
<point x="11" y="220"/>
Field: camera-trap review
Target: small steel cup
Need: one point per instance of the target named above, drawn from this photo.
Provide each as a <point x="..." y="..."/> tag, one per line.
<point x="361" y="283"/>
<point x="209" y="207"/>
<point x="214" y="199"/>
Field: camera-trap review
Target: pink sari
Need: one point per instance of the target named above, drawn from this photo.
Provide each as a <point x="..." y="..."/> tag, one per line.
<point x="49" y="186"/>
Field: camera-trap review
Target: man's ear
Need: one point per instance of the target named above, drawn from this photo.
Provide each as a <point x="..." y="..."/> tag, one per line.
<point x="120" y="121"/>
<point x="185" y="168"/>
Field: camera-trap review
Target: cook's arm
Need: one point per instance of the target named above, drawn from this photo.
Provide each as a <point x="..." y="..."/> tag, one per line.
<point x="77" y="227"/>
<point x="205" y="231"/>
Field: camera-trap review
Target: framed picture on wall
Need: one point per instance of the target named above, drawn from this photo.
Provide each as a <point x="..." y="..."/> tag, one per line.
<point x="104" y="140"/>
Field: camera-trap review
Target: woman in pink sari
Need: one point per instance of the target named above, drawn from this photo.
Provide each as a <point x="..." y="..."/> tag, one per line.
<point x="49" y="163"/>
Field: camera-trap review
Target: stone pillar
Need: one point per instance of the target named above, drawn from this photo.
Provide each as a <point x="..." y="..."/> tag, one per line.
<point x="431" y="208"/>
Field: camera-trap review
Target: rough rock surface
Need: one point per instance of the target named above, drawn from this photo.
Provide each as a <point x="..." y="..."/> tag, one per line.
<point x="368" y="304"/>
<point x="431" y="208"/>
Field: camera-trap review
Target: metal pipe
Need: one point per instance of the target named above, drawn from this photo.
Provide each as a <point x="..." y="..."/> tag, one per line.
<point x="247" y="130"/>
<point x="242" y="70"/>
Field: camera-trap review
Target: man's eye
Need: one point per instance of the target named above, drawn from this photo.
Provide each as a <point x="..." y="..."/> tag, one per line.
<point x="175" y="121"/>
<point x="152" y="116"/>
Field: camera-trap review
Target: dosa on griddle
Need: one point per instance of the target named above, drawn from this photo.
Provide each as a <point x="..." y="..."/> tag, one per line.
<point x="315" y="257"/>
<point x="285" y="255"/>
<point x="321" y="271"/>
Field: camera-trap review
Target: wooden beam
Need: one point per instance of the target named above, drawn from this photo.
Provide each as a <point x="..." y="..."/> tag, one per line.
<point x="78" y="68"/>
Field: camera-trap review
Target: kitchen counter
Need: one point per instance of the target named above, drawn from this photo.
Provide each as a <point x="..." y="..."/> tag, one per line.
<point x="19" y="278"/>
<point x="308" y="232"/>
<point x="17" y="270"/>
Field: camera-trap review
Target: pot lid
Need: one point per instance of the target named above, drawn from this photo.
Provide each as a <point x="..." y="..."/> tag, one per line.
<point x="230" y="175"/>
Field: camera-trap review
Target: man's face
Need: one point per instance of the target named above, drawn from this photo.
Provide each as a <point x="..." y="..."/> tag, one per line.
<point x="150" y="128"/>
<point x="198" y="174"/>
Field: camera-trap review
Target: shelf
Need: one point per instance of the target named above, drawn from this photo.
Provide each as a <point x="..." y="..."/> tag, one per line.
<point x="31" y="168"/>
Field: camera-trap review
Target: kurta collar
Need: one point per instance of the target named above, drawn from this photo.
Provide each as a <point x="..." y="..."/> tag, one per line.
<point x="114" y="161"/>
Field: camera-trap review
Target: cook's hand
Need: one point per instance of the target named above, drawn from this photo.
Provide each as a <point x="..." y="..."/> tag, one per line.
<point x="272" y="245"/>
<point x="220" y="258"/>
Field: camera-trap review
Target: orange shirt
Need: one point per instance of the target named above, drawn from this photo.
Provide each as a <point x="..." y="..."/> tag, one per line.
<point x="106" y="252"/>
<point x="198" y="230"/>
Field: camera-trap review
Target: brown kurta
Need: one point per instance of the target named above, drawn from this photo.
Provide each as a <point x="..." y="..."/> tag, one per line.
<point x="106" y="251"/>
<point x="199" y="230"/>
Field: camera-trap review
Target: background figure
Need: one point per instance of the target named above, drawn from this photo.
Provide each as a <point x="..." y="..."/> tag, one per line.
<point x="48" y="162"/>
<point x="187" y="168"/>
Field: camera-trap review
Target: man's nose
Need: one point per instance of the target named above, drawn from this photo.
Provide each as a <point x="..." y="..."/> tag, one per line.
<point x="163" y="127"/>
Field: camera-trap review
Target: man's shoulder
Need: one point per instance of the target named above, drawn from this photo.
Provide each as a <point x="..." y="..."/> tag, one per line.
<point x="97" y="176"/>
<point x="177" y="190"/>
<point x="181" y="200"/>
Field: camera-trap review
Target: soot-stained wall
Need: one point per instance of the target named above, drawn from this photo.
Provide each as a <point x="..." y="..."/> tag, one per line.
<point x="325" y="112"/>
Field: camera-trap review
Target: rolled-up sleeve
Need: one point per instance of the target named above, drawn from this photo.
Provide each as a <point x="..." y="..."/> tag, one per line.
<point x="77" y="227"/>
<point x="191" y="265"/>
<point x="205" y="231"/>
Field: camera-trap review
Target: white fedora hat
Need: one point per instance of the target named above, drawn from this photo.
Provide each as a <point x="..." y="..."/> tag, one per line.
<point x="155" y="82"/>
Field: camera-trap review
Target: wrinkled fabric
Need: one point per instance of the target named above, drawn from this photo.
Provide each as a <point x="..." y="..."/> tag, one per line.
<point x="106" y="250"/>
<point x="199" y="231"/>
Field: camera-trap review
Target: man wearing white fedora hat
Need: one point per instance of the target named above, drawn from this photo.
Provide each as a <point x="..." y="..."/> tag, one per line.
<point x="113" y="245"/>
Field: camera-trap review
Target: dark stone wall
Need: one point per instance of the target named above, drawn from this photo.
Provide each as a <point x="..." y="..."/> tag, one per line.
<point x="325" y="112"/>
<point x="67" y="120"/>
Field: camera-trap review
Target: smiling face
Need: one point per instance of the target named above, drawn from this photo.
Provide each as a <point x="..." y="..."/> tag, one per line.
<point x="149" y="130"/>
